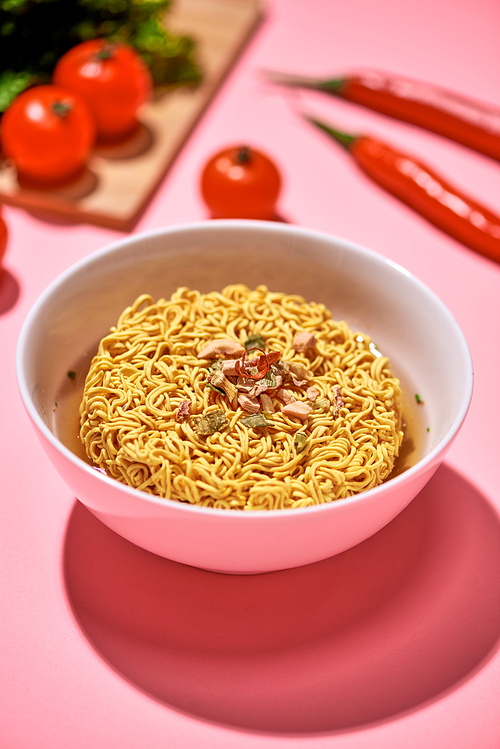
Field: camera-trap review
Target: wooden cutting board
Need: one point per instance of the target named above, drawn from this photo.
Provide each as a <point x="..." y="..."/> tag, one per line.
<point x="120" y="180"/>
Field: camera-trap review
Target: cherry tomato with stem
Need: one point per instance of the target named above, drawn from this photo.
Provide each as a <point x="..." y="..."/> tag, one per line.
<point x="241" y="182"/>
<point x="48" y="133"/>
<point x="112" y="78"/>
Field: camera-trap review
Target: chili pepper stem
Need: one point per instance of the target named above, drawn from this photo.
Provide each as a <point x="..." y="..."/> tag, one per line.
<point x="334" y="85"/>
<point x="344" y="139"/>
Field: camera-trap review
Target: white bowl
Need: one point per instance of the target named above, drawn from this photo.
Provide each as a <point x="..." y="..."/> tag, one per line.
<point x="407" y="321"/>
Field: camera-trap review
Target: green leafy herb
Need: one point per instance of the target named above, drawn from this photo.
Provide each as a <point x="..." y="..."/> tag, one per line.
<point x="12" y="83"/>
<point x="209" y="423"/>
<point x="71" y="374"/>
<point x="299" y="441"/>
<point x="419" y="399"/>
<point x="255" y="421"/>
<point x="255" y="340"/>
<point x="34" y="34"/>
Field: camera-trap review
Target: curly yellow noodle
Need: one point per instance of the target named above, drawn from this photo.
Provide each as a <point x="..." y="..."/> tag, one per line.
<point x="148" y="365"/>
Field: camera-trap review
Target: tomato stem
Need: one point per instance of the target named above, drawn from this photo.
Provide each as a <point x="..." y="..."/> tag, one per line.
<point x="243" y="155"/>
<point x="106" y="51"/>
<point x="61" y="108"/>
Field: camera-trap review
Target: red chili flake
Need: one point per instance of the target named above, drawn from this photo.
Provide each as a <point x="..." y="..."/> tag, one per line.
<point x="272" y="357"/>
<point x="263" y="364"/>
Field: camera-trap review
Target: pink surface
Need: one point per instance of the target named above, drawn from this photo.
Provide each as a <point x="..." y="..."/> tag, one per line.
<point x="394" y="643"/>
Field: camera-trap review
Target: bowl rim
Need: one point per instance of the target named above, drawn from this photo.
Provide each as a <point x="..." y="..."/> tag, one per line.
<point x="243" y="224"/>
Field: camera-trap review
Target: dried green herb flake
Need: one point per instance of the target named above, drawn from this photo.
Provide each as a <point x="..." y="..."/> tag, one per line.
<point x="255" y="341"/>
<point x="217" y="389"/>
<point x="255" y="421"/>
<point x="270" y="378"/>
<point x="321" y="405"/>
<point x="209" y="423"/>
<point x="299" y="441"/>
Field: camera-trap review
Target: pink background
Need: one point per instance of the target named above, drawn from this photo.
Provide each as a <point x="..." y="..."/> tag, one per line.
<point x="394" y="643"/>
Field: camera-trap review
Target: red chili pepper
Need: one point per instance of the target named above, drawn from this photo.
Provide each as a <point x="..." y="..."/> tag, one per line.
<point x="425" y="191"/>
<point x="272" y="357"/>
<point x="468" y="122"/>
<point x="263" y="364"/>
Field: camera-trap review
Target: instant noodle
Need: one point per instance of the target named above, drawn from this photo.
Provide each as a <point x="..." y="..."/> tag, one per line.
<point x="240" y="399"/>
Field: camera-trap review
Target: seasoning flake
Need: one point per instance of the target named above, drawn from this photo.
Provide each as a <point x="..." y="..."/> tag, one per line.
<point x="255" y="340"/>
<point x="209" y="423"/>
<point x="255" y="421"/>
<point x="299" y="441"/>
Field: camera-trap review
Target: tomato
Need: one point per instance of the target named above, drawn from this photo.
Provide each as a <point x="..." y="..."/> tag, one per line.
<point x="112" y="78"/>
<point x="48" y="133"/>
<point x="241" y="182"/>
